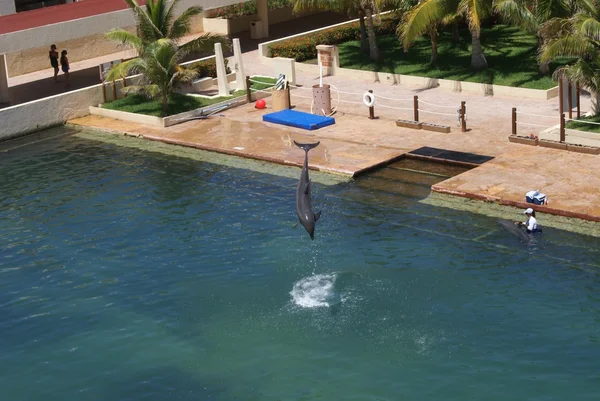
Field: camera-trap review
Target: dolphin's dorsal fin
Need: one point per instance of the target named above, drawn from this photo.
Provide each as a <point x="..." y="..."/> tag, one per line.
<point x="317" y="215"/>
<point x="307" y="188"/>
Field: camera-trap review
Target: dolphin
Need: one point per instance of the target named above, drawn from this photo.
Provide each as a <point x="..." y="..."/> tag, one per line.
<point x="517" y="231"/>
<point x="303" y="203"/>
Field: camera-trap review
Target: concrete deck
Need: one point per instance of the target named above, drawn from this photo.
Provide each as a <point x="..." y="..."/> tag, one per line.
<point x="355" y="144"/>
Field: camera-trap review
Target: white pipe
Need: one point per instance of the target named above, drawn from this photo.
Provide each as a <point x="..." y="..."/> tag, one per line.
<point x="320" y="72"/>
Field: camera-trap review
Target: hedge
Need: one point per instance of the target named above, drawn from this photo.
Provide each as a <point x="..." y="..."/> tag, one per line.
<point x="304" y="47"/>
<point x="247" y="8"/>
<point x="208" y="68"/>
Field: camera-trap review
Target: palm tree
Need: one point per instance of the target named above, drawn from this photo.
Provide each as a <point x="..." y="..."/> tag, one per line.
<point x="363" y="8"/>
<point x="157" y="21"/>
<point x="531" y="15"/>
<point x="341" y="6"/>
<point x="429" y="14"/>
<point x="160" y="70"/>
<point x="158" y="51"/>
<point x="410" y="26"/>
<point x="576" y="36"/>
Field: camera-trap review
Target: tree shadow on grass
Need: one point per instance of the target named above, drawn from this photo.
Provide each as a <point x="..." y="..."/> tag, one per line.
<point x="511" y="56"/>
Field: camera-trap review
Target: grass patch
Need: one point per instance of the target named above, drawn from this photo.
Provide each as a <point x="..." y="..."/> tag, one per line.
<point x="178" y="103"/>
<point x="510" y="53"/>
<point x="581" y="126"/>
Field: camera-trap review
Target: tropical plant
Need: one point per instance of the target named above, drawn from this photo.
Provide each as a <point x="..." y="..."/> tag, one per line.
<point x="156" y="20"/>
<point x="159" y="54"/>
<point x="531" y="15"/>
<point x="159" y="68"/>
<point x="364" y="9"/>
<point x="428" y="15"/>
<point x="577" y="36"/>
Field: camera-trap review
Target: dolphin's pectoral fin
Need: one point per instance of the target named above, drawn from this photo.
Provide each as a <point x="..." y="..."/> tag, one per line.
<point x="317" y="215"/>
<point x="307" y="188"/>
<point x="296" y="225"/>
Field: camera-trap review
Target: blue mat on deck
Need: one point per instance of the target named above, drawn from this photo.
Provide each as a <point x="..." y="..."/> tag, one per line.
<point x="298" y="119"/>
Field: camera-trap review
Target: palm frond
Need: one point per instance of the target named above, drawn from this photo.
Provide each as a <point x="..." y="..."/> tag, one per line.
<point x="547" y="9"/>
<point x="183" y="23"/>
<point x="570" y="46"/>
<point x="555" y="28"/>
<point x="475" y="12"/>
<point x="204" y="43"/>
<point x="418" y="21"/>
<point x="125" y="37"/>
<point x="515" y="12"/>
<point x="581" y="72"/>
<point x="587" y="26"/>
<point x="124" y="69"/>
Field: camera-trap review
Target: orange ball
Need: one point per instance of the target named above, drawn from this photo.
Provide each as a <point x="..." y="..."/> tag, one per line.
<point x="260" y="104"/>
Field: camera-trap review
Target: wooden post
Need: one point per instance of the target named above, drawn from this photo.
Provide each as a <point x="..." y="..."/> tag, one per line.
<point x="562" y="128"/>
<point x="114" y="90"/>
<point x="371" y="109"/>
<point x="578" y="93"/>
<point x="560" y="96"/>
<point x="248" y="91"/>
<point x="463" y="113"/>
<point x="514" y="121"/>
<point x="416" y="107"/>
<point x="569" y="99"/>
<point x="289" y="90"/>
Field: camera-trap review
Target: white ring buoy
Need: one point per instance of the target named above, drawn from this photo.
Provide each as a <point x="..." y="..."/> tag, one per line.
<point x="369" y="99"/>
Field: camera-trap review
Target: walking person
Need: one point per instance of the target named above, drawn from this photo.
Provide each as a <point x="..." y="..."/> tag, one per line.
<point x="53" y="55"/>
<point x="64" y="64"/>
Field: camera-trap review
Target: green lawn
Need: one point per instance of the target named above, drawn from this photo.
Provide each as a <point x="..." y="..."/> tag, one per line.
<point x="178" y="103"/>
<point x="583" y="126"/>
<point x="511" y="56"/>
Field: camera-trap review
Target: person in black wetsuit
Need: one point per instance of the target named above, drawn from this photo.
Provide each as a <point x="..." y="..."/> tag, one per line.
<point x="53" y="55"/>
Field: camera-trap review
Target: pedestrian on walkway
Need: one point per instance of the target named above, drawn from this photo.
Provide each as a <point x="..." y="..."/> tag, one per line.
<point x="64" y="63"/>
<point x="53" y="55"/>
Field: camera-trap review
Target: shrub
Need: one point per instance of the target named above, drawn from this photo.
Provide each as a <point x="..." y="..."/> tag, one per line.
<point x="247" y="8"/>
<point x="208" y="68"/>
<point x="304" y="47"/>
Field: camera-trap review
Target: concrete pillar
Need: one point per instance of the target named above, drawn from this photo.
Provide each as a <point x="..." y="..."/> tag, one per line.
<point x="221" y="71"/>
<point x="240" y="78"/>
<point x="3" y="80"/>
<point x="7" y="7"/>
<point x="263" y="14"/>
<point x="329" y="58"/>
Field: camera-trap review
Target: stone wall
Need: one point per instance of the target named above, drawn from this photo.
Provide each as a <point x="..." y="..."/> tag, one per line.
<point x="29" y="117"/>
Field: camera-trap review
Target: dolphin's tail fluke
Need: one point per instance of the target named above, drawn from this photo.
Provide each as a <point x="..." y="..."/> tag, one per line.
<point x="307" y="146"/>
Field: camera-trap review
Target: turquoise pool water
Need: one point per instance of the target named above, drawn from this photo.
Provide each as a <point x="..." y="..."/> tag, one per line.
<point x="132" y="275"/>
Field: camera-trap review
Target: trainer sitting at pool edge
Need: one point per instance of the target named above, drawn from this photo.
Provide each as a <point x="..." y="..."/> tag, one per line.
<point x="530" y="225"/>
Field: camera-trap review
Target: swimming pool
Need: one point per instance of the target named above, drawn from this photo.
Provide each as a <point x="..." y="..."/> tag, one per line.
<point x="129" y="274"/>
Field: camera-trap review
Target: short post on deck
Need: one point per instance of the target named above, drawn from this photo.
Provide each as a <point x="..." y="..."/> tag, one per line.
<point x="371" y="109"/>
<point x="248" y="90"/>
<point x="514" y="121"/>
<point x="463" y="116"/>
<point x="416" y="107"/>
<point x="570" y="99"/>
<point x="562" y="128"/>
<point x="578" y="103"/>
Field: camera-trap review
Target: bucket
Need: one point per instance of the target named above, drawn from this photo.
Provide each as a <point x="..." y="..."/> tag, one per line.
<point x="322" y="99"/>
<point x="281" y="99"/>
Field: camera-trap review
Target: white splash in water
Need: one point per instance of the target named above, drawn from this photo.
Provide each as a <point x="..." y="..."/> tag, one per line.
<point x="314" y="291"/>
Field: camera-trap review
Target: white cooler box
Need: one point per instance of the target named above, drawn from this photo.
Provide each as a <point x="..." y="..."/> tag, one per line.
<point x="535" y="197"/>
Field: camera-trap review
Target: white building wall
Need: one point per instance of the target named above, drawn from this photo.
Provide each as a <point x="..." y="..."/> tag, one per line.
<point x="7" y="7"/>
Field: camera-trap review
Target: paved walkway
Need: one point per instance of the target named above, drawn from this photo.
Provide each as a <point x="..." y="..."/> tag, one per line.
<point x="356" y="143"/>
